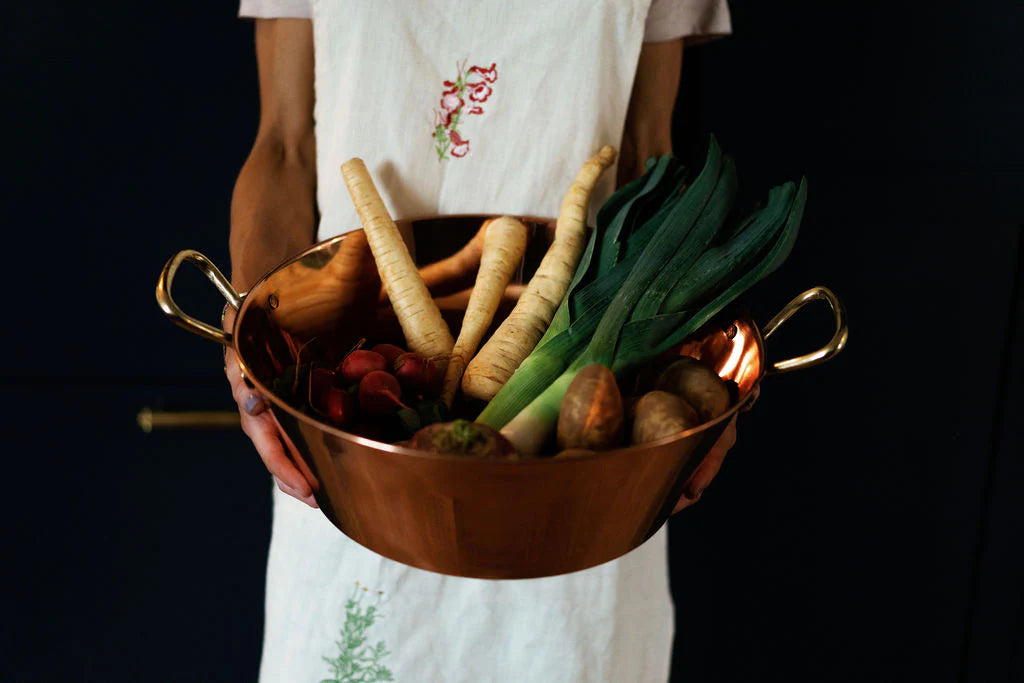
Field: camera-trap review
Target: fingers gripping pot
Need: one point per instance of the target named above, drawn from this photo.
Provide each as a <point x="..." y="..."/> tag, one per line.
<point x="482" y="518"/>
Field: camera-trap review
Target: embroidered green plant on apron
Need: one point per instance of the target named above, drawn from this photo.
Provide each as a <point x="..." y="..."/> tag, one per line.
<point x="356" y="661"/>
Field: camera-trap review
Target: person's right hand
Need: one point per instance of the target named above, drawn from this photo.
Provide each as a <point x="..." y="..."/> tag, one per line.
<point x="259" y="426"/>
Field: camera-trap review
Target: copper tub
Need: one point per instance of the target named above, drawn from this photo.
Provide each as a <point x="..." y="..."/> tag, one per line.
<point x="451" y="514"/>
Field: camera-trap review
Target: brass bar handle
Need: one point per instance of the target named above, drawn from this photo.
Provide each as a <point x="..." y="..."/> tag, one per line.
<point x="834" y="346"/>
<point x="174" y="312"/>
<point x="149" y="419"/>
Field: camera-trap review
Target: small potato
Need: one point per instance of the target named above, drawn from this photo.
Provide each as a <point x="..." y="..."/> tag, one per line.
<point x="660" y="414"/>
<point x="591" y="413"/>
<point x="698" y="385"/>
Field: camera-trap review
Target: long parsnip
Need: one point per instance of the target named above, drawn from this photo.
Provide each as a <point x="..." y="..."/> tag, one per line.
<point x="503" y="247"/>
<point x="425" y="330"/>
<point x="523" y="328"/>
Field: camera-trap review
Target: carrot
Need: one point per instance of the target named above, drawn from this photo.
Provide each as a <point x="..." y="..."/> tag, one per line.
<point x="424" y="329"/>
<point x="503" y="247"/>
<point x="523" y="328"/>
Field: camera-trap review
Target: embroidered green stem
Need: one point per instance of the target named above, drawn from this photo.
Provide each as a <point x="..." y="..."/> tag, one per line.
<point x="442" y="140"/>
<point x="358" y="662"/>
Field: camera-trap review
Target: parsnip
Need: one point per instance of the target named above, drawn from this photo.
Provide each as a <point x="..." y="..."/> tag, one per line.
<point x="452" y="274"/>
<point x="425" y="330"/>
<point x="503" y="246"/>
<point x="523" y="328"/>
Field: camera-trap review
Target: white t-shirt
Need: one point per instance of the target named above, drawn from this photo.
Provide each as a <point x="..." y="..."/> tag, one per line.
<point x="465" y="108"/>
<point x="695" y="20"/>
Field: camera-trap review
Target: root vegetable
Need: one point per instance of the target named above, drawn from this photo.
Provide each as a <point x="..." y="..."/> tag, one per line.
<point x="321" y="380"/>
<point x="526" y="324"/>
<point x="462" y="437"/>
<point x="425" y="330"/>
<point x="698" y="385"/>
<point x="360" y="363"/>
<point x="504" y="244"/>
<point x="660" y="414"/>
<point x="340" y="406"/>
<point x="389" y="351"/>
<point x="416" y="373"/>
<point x="591" y="412"/>
<point x="455" y="273"/>
<point x="380" y="393"/>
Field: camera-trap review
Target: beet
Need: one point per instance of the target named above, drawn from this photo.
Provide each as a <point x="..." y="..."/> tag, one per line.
<point x="359" y="363"/>
<point x="389" y="351"/>
<point x="340" y="406"/>
<point x="416" y="373"/>
<point x="379" y="393"/>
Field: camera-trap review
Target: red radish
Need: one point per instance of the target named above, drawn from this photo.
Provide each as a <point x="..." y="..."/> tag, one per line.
<point x="360" y="363"/>
<point x="341" y="407"/>
<point x="389" y="351"/>
<point x="321" y="380"/>
<point x="379" y="393"/>
<point x="416" y="372"/>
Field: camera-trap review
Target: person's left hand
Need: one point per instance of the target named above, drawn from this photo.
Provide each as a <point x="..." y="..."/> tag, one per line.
<point x="706" y="471"/>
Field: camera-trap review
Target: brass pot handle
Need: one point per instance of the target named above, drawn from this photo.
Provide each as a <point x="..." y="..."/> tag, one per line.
<point x="174" y="312"/>
<point x="834" y="346"/>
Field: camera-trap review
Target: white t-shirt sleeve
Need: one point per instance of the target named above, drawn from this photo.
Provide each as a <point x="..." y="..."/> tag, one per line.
<point x="695" y="20"/>
<point x="275" y="9"/>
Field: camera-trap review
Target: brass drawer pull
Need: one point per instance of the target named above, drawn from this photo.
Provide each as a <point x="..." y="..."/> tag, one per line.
<point x="150" y="419"/>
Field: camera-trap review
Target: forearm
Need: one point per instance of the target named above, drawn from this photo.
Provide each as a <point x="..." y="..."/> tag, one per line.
<point x="273" y="208"/>
<point x="648" y="128"/>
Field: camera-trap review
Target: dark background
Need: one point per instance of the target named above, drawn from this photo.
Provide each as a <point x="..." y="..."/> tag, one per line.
<point x="865" y="527"/>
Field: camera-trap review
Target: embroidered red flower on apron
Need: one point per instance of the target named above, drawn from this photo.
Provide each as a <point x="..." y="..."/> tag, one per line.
<point x="473" y="83"/>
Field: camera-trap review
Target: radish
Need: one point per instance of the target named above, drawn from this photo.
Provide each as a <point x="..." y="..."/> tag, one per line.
<point x="416" y="372"/>
<point x="341" y="407"/>
<point x="389" y="351"/>
<point x="379" y="393"/>
<point x="320" y="381"/>
<point x="360" y="363"/>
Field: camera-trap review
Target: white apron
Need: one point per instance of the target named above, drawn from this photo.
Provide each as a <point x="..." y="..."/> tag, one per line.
<point x="463" y="107"/>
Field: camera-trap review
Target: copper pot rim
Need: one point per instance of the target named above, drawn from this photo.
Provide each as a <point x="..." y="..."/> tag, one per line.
<point x="624" y="451"/>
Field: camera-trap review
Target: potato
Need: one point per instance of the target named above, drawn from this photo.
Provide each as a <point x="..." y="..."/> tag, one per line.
<point x="660" y="414"/>
<point x="591" y="413"/>
<point x="698" y="385"/>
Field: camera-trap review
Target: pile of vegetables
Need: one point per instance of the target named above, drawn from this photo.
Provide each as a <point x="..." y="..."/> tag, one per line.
<point x="383" y="392"/>
<point x="664" y="258"/>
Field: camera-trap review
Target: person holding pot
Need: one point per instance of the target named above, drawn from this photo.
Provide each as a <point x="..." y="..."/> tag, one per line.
<point x="456" y="108"/>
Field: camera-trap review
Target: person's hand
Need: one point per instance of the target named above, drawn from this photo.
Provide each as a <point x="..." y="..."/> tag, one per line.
<point x="706" y="471"/>
<point x="259" y="426"/>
